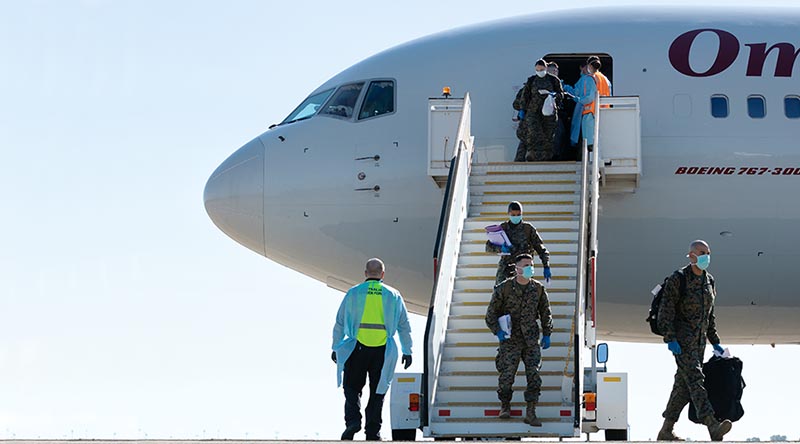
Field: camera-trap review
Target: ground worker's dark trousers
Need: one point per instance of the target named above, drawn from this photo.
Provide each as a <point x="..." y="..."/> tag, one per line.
<point x="688" y="386"/>
<point x="362" y="362"/>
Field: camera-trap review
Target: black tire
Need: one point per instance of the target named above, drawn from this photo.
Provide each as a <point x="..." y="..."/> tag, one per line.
<point x="617" y="435"/>
<point x="404" y="434"/>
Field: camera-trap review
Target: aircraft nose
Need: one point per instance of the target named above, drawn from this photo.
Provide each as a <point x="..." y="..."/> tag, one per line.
<point x="234" y="196"/>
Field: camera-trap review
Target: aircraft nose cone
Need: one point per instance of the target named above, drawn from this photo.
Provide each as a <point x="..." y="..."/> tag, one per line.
<point x="234" y="196"/>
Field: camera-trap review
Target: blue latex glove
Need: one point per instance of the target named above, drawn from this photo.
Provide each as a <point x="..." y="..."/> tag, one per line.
<point x="501" y="335"/>
<point x="547" y="274"/>
<point x="674" y="347"/>
<point x="504" y="249"/>
<point x="521" y="114"/>
<point x="545" y="342"/>
<point x="719" y="348"/>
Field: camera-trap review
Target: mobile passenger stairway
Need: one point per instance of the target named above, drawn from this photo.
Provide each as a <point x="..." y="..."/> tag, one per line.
<point x="459" y="384"/>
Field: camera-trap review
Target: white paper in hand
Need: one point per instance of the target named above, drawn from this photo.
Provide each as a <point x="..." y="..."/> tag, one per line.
<point x="656" y="290"/>
<point x="725" y="354"/>
<point x="505" y="324"/>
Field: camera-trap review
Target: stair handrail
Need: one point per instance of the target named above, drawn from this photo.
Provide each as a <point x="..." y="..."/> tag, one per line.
<point x="447" y="259"/>
<point x="581" y="284"/>
<point x="594" y="208"/>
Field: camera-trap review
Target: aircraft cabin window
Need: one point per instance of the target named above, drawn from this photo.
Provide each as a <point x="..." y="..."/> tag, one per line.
<point x="379" y="99"/>
<point x="344" y="101"/>
<point x="791" y="105"/>
<point x="756" y="107"/>
<point x="719" y="106"/>
<point x="309" y="107"/>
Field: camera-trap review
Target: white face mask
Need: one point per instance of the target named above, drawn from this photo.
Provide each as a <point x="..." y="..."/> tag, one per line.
<point x="541" y="73"/>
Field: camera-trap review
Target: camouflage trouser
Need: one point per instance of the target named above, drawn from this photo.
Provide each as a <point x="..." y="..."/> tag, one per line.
<point x="507" y="362"/>
<point x="689" y="386"/>
<point x="536" y="135"/>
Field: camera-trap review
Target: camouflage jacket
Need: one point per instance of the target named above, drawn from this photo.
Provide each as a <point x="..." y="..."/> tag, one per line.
<point x="525" y="304"/>
<point x="689" y="318"/>
<point x="529" y="99"/>
<point x="524" y="239"/>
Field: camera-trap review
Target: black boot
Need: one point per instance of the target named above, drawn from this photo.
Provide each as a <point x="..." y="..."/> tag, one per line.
<point x="350" y="432"/>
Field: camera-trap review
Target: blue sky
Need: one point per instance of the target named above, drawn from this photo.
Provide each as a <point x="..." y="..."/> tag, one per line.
<point x="123" y="311"/>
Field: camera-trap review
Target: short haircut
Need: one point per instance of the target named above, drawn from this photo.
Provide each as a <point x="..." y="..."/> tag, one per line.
<point x="514" y="206"/>
<point x="374" y="267"/>
<point x="521" y="257"/>
<point x="541" y="62"/>
<point x="698" y="243"/>
<point x="553" y="64"/>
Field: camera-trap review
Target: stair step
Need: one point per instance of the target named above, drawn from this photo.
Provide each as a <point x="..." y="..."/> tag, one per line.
<point x="549" y="413"/>
<point x="555" y="287"/>
<point x="489" y="366"/>
<point x="488" y="259"/>
<point x="521" y="188"/>
<point x="525" y="166"/>
<point x="561" y="337"/>
<point x="481" y="301"/>
<point x="456" y="310"/>
<point x="493" y="388"/>
<point x="457" y="324"/>
<point x="554" y="249"/>
<point x="493" y="344"/>
<point x="491" y="271"/>
<point x="559" y="351"/>
<point x="493" y="266"/>
<point x="540" y="178"/>
<point x="482" y="317"/>
<point x="494" y="374"/>
<point x="497" y="404"/>
<point x="479" y="224"/>
<point x="491" y="381"/>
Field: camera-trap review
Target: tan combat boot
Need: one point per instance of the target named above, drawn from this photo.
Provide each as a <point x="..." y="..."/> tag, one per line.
<point x="505" y="410"/>
<point x="530" y="416"/>
<point x="666" y="433"/>
<point x="717" y="429"/>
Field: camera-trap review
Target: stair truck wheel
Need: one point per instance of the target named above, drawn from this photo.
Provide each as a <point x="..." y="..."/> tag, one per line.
<point x="404" y="434"/>
<point x="616" y="435"/>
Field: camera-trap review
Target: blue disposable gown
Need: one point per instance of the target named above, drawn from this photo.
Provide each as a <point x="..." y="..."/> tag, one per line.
<point x="348" y="319"/>
<point x="575" y="127"/>
<point x="584" y="92"/>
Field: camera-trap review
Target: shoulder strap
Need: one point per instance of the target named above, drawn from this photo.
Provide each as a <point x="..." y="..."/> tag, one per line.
<point x="682" y="282"/>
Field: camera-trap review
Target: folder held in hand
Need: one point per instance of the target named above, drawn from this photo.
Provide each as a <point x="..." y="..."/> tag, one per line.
<point x="497" y="236"/>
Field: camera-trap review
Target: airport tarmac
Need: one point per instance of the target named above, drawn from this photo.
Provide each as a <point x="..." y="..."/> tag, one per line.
<point x="237" y="441"/>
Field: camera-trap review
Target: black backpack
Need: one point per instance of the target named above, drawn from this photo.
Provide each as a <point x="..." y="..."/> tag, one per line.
<point x="652" y="317"/>
<point x="725" y="385"/>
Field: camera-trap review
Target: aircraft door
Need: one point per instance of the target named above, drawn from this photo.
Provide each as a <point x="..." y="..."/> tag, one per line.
<point x="376" y="154"/>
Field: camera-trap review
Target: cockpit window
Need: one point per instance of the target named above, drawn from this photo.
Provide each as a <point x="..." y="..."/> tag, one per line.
<point x="309" y="107"/>
<point x="344" y="101"/>
<point x="379" y="99"/>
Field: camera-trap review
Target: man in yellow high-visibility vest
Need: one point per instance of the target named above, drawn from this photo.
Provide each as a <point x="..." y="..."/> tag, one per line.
<point x="363" y="344"/>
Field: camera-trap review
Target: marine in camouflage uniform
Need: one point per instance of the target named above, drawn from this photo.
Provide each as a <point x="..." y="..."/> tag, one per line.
<point x="536" y="131"/>
<point x="524" y="240"/>
<point x="689" y="319"/>
<point x="526" y="303"/>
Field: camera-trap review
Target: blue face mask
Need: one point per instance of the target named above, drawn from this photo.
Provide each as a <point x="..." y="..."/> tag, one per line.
<point x="527" y="272"/>
<point x="515" y="219"/>
<point x="703" y="261"/>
